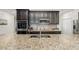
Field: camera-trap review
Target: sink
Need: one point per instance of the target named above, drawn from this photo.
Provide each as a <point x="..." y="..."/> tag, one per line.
<point x="42" y="36"/>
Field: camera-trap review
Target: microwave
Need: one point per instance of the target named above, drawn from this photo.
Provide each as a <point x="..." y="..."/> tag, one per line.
<point x="44" y="21"/>
<point x="22" y="24"/>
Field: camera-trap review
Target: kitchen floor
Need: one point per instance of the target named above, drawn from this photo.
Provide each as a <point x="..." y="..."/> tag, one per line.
<point x="26" y="42"/>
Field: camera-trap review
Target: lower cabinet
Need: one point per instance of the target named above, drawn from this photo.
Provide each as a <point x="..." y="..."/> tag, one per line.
<point x="21" y="32"/>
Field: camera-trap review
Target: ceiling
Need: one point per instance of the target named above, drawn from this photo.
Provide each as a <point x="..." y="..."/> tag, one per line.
<point x="13" y="11"/>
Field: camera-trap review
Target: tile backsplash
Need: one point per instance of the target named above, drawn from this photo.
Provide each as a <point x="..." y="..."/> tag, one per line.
<point x="44" y="27"/>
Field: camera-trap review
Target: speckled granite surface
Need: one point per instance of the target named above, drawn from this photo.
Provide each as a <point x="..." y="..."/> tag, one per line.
<point x="25" y="42"/>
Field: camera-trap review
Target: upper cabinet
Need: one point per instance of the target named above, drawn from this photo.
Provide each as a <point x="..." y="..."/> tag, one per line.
<point x="51" y="16"/>
<point x="36" y="16"/>
<point x="22" y="14"/>
<point x="55" y="17"/>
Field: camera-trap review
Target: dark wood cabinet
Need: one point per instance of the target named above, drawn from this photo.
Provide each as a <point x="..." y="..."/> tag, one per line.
<point x="55" y="17"/>
<point x="22" y="14"/>
<point x="22" y="21"/>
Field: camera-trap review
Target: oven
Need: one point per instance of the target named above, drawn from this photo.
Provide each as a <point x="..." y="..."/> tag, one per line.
<point x="21" y="24"/>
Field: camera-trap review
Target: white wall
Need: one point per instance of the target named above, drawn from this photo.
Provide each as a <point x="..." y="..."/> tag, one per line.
<point x="67" y="26"/>
<point x="9" y="28"/>
<point x="66" y="21"/>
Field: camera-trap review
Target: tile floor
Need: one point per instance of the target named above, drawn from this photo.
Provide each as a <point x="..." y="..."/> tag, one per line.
<point x="25" y="42"/>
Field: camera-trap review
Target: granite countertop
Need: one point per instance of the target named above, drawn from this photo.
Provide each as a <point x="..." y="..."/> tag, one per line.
<point x="25" y="42"/>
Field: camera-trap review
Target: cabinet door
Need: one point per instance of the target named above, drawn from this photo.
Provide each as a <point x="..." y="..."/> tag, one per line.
<point x="18" y="15"/>
<point x="22" y="14"/>
<point x="55" y="17"/>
